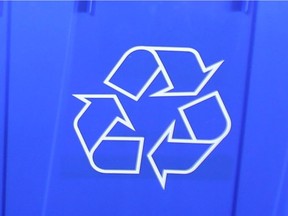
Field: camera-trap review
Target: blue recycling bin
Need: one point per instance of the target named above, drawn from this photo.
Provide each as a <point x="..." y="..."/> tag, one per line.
<point x="143" y="108"/>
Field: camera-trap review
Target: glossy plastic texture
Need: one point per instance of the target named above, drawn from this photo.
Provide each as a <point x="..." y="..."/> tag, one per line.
<point x="56" y="52"/>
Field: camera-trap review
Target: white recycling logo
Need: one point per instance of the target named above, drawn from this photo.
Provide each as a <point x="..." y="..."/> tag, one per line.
<point x="170" y="90"/>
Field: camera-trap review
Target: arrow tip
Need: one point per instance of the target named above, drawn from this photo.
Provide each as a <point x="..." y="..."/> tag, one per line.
<point x="81" y="98"/>
<point x="213" y="68"/>
<point x="166" y="135"/>
<point x="124" y="119"/>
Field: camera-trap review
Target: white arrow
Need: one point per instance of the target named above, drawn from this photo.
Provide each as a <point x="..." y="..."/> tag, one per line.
<point x="207" y="71"/>
<point x="168" y="134"/>
<point x="105" y="137"/>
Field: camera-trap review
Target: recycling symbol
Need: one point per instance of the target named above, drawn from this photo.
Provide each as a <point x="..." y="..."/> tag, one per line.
<point x="134" y="89"/>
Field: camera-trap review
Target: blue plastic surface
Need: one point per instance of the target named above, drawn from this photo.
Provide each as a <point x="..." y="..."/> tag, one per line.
<point x="39" y="33"/>
<point x="4" y="65"/>
<point x="263" y="175"/>
<point x="97" y="44"/>
<point x="59" y="49"/>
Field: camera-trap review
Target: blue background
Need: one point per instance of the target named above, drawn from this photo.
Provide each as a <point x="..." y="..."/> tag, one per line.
<point x="51" y="50"/>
